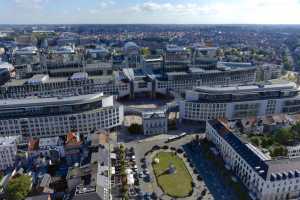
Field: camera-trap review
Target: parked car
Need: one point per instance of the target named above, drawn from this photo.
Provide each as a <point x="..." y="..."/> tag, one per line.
<point x="141" y="175"/>
<point x="146" y="171"/>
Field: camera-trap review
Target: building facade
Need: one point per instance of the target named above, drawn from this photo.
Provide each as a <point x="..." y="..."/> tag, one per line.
<point x="205" y="103"/>
<point x="8" y="151"/>
<point x="293" y="151"/>
<point x="176" y="58"/>
<point x="155" y="122"/>
<point x="268" y="71"/>
<point x="265" y="178"/>
<point x="47" y="117"/>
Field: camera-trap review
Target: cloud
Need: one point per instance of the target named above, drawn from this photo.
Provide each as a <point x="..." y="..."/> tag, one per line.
<point x="100" y="6"/>
<point x="153" y="11"/>
<point x="30" y="3"/>
<point x="188" y="8"/>
<point x="106" y="3"/>
<point x="93" y="11"/>
<point x="239" y="11"/>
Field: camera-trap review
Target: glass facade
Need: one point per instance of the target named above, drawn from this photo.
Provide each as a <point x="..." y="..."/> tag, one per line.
<point x="36" y="111"/>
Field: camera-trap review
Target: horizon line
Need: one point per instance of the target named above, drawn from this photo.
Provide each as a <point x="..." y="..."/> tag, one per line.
<point x="181" y="24"/>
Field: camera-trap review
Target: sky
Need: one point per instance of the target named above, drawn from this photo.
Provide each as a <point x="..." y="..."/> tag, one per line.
<point x="150" y="12"/>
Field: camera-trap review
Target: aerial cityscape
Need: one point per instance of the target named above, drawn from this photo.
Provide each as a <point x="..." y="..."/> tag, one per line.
<point x="149" y="100"/>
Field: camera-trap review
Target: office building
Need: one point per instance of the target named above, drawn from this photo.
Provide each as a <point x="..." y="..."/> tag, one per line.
<point x="55" y="116"/>
<point x="132" y="55"/>
<point x="204" y="57"/>
<point x="176" y="58"/>
<point x="268" y="71"/>
<point x="236" y="102"/>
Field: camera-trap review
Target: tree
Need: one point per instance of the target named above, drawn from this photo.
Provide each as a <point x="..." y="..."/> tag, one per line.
<point x="135" y="128"/>
<point x="146" y="51"/>
<point x="255" y="141"/>
<point x="18" y="188"/>
<point x="296" y="129"/>
<point x="283" y="136"/>
<point x="266" y="142"/>
<point x="286" y="63"/>
<point x="279" y="151"/>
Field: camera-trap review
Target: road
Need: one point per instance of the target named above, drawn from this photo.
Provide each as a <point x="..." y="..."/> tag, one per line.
<point x="211" y="177"/>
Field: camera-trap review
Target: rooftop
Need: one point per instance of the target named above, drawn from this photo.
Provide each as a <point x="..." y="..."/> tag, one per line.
<point x="38" y="79"/>
<point x="50" y="141"/>
<point x="175" y="48"/>
<point x="80" y="76"/>
<point x="26" y="50"/>
<point x="63" y="50"/>
<point x="6" y="65"/>
<point x="249" y="88"/>
<point x="267" y="168"/>
<point x="154" y="114"/>
<point x="36" y="101"/>
<point x="8" y="140"/>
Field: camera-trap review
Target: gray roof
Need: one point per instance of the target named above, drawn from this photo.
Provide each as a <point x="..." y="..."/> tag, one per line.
<point x="249" y="88"/>
<point x="175" y="48"/>
<point x="87" y="196"/>
<point x="30" y="102"/>
<point x="154" y="114"/>
<point x="276" y="169"/>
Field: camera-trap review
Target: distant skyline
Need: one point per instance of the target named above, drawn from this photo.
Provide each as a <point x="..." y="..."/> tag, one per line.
<point x="149" y="12"/>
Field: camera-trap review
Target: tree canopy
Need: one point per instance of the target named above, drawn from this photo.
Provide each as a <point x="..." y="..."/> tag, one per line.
<point x="283" y="136"/>
<point x="18" y="188"/>
<point x="135" y="128"/>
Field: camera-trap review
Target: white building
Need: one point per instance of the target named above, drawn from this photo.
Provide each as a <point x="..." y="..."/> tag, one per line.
<point x="236" y="102"/>
<point x="103" y="180"/>
<point x="26" y="55"/>
<point x="8" y="151"/>
<point x="101" y="78"/>
<point x="265" y="179"/>
<point x="132" y="55"/>
<point x="176" y="58"/>
<point x="293" y="151"/>
<point x="48" y="117"/>
<point x="268" y="71"/>
<point x="204" y="57"/>
<point x="155" y="122"/>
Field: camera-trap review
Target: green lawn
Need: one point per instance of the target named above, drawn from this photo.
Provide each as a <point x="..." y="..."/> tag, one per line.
<point x="175" y="185"/>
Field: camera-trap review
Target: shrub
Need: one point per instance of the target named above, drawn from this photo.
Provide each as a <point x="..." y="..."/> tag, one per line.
<point x="135" y="129"/>
<point x="255" y="141"/>
<point x="18" y="188"/>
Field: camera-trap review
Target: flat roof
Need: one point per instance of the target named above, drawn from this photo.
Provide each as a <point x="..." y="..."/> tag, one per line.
<point x="154" y="114"/>
<point x="20" y="82"/>
<point x="175" y="48"/>
<point x="8" y="140"/>
<point x="36" y="101"/>
<point x="248" y="88"/>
